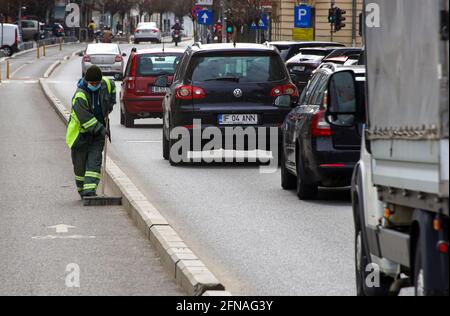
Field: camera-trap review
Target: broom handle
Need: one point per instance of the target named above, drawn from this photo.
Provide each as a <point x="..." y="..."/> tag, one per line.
<point x="104" y="159"/>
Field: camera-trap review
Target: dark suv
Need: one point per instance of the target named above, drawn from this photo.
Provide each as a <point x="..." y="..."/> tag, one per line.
<point x="313" y="152"/>
<point x="226" y="85"/>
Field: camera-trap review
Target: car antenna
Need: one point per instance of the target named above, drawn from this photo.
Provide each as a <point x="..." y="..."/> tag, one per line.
<point x="164" y="49"/>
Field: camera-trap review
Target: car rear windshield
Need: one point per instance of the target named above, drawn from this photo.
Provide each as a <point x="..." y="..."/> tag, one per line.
<point x="157" y="65"/>
<point x="102" y="49"/>
<point x="255" y="68"/>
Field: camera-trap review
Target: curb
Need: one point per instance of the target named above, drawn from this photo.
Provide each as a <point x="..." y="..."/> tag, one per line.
<point x="180" y="262"/>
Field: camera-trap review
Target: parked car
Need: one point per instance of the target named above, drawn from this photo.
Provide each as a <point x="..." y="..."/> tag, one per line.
<point x="290" y="49"/>
<point x="227" y="85"/>
<point x="147" y="32"/>
<point x="140" y="98"/>
<point x="108" y="57"/>
<point x="313" y="152"/>
<point x="10" y="38"/>
<point x="32" y="30"/>
<point x="303" y="64"/>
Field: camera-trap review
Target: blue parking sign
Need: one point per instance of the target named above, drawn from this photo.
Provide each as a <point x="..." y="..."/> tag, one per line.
<point x="303" y="16"/>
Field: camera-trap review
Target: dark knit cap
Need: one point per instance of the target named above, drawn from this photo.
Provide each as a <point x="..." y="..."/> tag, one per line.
<point x="93" y="74"/>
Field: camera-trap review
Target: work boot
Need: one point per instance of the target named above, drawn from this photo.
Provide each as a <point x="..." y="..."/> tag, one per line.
<point x="89" y="194"/>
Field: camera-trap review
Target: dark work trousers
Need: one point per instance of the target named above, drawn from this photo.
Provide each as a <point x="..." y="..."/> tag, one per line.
<point x="87" y="162"/>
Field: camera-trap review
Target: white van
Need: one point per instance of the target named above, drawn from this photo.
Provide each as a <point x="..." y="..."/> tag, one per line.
<point x="10" y="38"/>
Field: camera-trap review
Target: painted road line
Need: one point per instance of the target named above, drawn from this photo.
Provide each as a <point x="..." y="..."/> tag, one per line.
<point x="61" y="228"/>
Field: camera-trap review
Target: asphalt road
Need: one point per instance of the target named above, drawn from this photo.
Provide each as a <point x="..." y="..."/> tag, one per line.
<point x="255" y="237"/>
<point x="101" y="249"/>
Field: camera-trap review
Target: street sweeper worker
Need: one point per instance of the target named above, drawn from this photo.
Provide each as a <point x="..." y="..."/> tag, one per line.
<point x="88" y="128"/>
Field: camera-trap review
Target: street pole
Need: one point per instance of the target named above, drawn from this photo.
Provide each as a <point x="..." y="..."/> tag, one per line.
<point x="354" y="23"/>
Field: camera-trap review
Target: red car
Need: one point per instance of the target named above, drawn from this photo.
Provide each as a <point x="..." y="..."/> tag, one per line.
<point x="140" y="98"/>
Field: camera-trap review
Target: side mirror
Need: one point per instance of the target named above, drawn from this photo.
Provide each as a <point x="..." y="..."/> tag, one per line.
<point x="124" y="55"/>
<point x="342" y="99"/>
<point x="81" y="54"/>
<point x="162" y="82"/>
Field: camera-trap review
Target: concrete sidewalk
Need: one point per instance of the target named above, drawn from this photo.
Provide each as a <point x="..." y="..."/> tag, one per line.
<point x="37" y="193"/>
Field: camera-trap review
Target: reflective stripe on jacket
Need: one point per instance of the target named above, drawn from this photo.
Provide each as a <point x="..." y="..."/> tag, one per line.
<point x="82" y="119"/>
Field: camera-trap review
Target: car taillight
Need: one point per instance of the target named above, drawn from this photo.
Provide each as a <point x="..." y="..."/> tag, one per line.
<point x="320" y="127"/>
<point x="155" y="30"/>
<point x="119" y="59"/>
<point x="87" y="58"/>
<point x="288" y="89"/>
<point x="131" y="83"/>
<point x="189" y="93"/>
<point x="137" y="31"/>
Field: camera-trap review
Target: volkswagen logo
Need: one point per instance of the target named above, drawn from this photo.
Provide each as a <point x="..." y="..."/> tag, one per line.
<point x="238" y="93"/>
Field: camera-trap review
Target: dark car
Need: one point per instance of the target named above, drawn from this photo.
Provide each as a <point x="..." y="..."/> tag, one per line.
<point x="313" y="152"/>
<point x="226" y="85"/>
<point x="290" y="49"/>
<point x="57" y="30"/>
<point x="139" y="97"/>
<point x="303" y="64"/>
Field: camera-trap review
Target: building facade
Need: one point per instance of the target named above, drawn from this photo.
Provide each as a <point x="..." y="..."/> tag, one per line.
<point x="283" y="21"/>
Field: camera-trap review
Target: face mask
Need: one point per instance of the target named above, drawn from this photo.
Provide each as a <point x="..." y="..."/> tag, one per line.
<point x="93" y="88"/>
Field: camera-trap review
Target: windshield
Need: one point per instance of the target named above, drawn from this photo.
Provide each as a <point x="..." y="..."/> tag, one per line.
<point x="102" y="49"/>
<point x="157" y="65"/>
<point x="263" y="68"/>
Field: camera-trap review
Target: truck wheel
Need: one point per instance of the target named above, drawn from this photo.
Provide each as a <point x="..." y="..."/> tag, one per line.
<point x="362" y="261"/>
<point x="419" y="274"/>
<point x="288" y="180"/>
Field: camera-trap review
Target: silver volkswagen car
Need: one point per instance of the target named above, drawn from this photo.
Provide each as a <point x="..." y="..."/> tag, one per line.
<point x="107" y="57"/>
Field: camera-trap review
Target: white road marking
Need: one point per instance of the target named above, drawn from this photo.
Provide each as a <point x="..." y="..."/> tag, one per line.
<point x="52" y="237"/>
<point x="17" y="70"/>
<point x="61" y="228"/>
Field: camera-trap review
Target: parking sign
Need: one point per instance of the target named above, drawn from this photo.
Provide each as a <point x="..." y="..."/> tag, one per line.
<point x="302" y="16"/>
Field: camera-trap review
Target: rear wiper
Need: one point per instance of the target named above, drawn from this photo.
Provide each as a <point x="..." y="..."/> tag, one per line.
<point x="235" y="79"/>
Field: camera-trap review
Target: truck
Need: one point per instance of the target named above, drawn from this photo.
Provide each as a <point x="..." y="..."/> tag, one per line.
<point x="400" y="185"/>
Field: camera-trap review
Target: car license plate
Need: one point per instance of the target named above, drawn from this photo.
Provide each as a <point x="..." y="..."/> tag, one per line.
<point x="105" y="68"/>
<point x="238" y="119"/>
<point x="160" y="90"/>
<point x="299" y="68"/>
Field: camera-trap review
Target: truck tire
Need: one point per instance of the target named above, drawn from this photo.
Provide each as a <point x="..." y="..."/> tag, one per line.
<point x="362" y="261"/>
<point x="419" y="274"/>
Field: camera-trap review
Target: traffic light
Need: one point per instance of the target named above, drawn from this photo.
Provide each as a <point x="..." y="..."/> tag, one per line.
<point x="230" y="28"/>
<point x="331" y="15"/>
<point x="339" y="19"/>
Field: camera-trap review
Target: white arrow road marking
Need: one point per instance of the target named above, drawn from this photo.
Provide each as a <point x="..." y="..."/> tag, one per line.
<point x="61" y="228"/>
